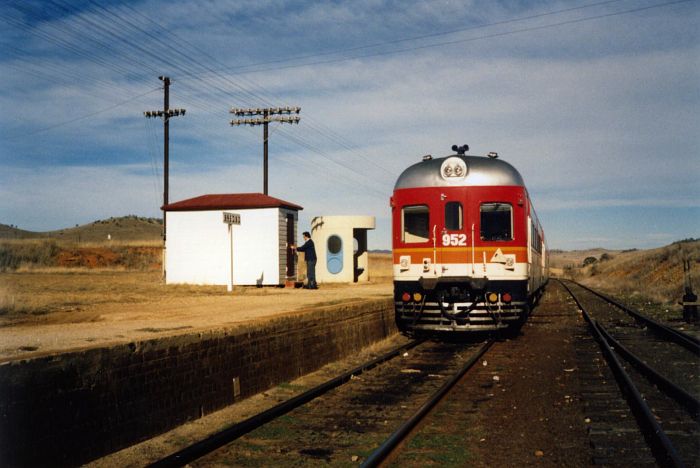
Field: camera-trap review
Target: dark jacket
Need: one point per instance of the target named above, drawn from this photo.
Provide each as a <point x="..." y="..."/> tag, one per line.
<point x="309" y="250"/>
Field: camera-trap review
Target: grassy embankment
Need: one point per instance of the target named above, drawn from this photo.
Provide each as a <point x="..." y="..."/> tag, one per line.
<point x="650" y="280"/>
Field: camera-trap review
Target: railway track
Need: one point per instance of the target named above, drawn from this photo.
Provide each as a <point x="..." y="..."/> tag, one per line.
<point x="345" y="418"/>
<point x="657" y="370"/>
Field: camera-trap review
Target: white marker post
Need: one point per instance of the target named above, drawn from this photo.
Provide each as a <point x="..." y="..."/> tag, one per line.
<point x="231" y="219"/>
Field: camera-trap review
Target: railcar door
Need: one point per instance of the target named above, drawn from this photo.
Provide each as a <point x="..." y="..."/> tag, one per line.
<point x="291" y="257"/>
<point x="453" y="232"/>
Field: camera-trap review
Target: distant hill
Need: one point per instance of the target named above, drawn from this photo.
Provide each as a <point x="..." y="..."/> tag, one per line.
<point x="559" y="259"/>
<point x="13" y="232"/>
<point x="121" y="229"/>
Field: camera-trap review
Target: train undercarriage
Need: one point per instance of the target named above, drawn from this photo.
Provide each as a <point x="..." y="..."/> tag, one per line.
<point x="461" y="304"/>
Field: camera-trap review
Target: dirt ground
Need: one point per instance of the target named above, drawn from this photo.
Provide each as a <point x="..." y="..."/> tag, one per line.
<point x="51" y="312"/>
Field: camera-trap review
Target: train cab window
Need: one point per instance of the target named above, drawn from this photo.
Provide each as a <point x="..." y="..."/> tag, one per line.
<point x="496" y="222"/>
<point x="454" y="219"/>
<point x="415" y="224"/>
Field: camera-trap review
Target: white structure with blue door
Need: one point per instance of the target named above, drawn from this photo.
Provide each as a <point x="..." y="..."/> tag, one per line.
<point x="341" y="248"/>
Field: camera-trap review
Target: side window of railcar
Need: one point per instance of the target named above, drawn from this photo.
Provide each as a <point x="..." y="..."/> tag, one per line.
<point x="496" y="222"/>
<point x="536" y="239"/>
<point x="453" y="216"/>
<point x="415" y="224"/>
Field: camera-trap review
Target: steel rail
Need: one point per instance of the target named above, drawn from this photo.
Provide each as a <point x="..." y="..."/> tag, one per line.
<point x="233" y="432"/>
<point x="382" y="452"/>
<point x="683" y="339"/>
<point x="662" y="448"/>
<point x="684" y="398"/>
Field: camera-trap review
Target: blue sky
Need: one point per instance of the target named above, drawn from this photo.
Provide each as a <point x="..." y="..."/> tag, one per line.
<point x="596" y="103"/>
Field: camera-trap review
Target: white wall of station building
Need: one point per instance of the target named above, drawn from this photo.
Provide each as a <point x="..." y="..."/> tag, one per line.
<point x="198" y="247"/>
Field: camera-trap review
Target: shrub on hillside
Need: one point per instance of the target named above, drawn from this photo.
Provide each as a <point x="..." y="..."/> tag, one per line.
<point x="14" y="254"/>
<point x="143" y="258"/>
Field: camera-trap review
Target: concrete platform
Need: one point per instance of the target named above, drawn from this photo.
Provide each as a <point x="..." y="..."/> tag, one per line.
<point x="89" y="389"/>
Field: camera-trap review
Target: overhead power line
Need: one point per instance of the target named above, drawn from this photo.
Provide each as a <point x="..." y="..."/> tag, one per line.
<point x="414" y="38"/>
<point x="460" y="41"/>
<point x="86" y="116"/>
<point x="161" y="53"/>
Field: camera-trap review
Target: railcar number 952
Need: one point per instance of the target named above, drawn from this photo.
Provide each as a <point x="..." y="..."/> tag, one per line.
<point x="454" y="239"/>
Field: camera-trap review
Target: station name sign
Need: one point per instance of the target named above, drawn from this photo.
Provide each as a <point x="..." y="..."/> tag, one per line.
<point x="232" y="218"/>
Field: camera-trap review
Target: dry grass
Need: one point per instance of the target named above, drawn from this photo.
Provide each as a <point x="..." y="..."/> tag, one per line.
<point x="381" y="267"/>
<point x="57" y="295"/>
<point x="70" y="243"/>
<point x="655" y="275"/>
<point x="42" y="253"/>
<point x="27" y="296"/>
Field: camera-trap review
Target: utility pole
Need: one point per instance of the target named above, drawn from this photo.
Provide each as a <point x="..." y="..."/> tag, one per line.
<point x="165" y="114"/>
<point x="269" y="114"/>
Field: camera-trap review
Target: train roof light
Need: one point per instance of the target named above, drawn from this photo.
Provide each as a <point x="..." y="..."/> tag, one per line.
<point x="492" y="155"/>
<point x="427" y="157"/>
<point x="453" y="169"/>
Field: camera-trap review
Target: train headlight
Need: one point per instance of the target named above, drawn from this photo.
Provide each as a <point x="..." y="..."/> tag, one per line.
<point x="417" y="297"/>
<point x="492" y="297"/>
<point x="453" y="169"/>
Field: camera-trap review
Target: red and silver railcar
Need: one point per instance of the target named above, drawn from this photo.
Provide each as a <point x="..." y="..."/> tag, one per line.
<point x="469" y="253"/>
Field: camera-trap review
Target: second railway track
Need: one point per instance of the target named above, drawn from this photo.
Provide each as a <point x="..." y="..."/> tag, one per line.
<point x="657" y="369"/>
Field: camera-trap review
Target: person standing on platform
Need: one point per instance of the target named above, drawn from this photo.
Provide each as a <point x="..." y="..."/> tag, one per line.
<point x="310" y="259"/>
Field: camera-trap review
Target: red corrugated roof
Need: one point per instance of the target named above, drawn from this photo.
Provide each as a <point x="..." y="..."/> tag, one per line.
<point x="229" y="201"/>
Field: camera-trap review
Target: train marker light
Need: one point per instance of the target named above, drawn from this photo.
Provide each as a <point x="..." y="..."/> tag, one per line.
<point x="507" y="298"/>
<point x="453" y="169"/>
<point x="406" y="297"/>
<point x="492" y="297"/>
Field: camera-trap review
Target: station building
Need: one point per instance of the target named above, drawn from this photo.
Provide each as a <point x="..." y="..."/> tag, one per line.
<point x="231" y="239"/>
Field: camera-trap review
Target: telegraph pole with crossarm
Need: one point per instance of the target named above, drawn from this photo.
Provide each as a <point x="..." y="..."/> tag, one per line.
<point x="263" y="116"/>
<point x="165" y="114"/>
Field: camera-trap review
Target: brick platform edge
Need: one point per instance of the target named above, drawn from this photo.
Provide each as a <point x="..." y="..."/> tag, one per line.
<point x="70" y="408"/>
